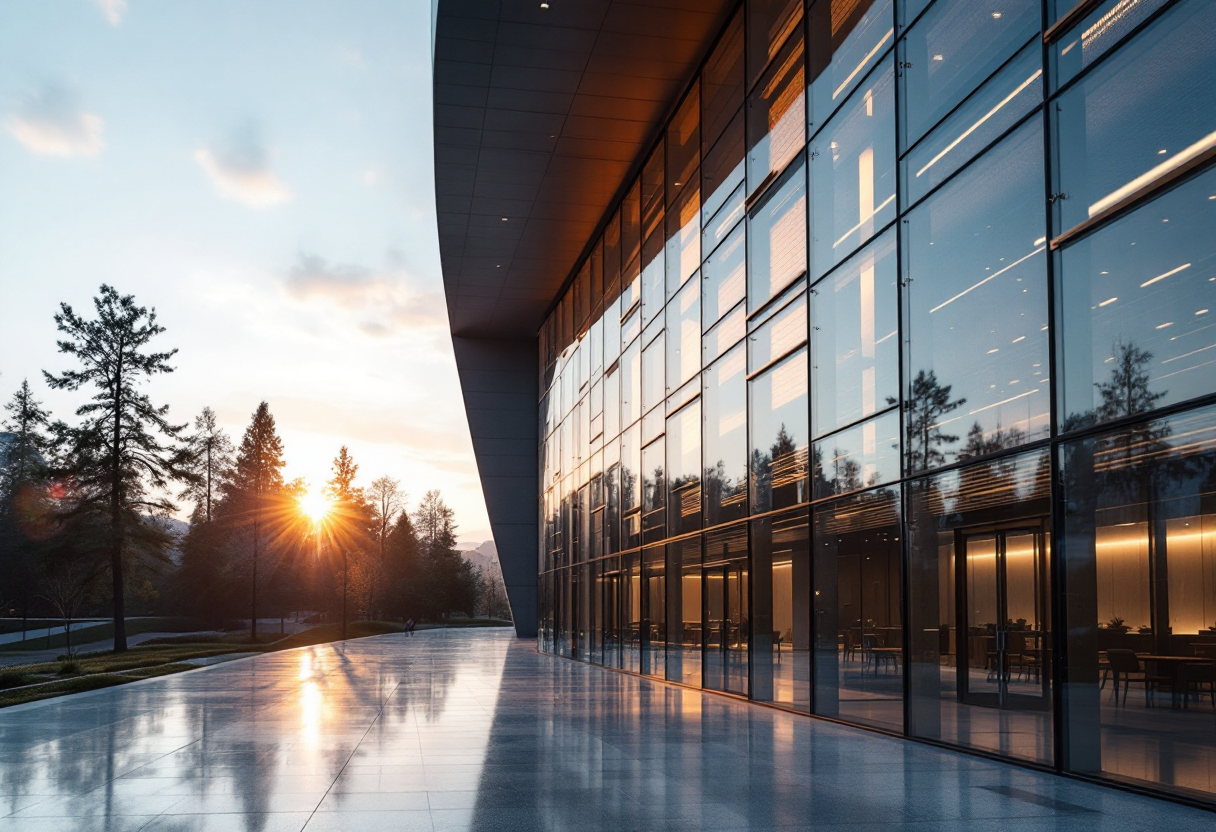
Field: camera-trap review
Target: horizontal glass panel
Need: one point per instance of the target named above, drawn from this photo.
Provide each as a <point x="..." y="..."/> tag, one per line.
<point x="847" y="38"/>
<point x="952" y="49"/>
<point x="652" y="424"/>
<point x="992" y="110"/>
<point x="724" y="411"/>
<point x="784" y="331"/>
<point x="776" y="116"/>
<point x="977" y="309"/>
<point x="1096" y="35"/>
<point x="729" y="331"/>
<point x="724" y="276"/>
<point x="853" y="172"/>
<point x="682" y="396"/>
<point x="854" y="337"/>
<point x="1140" y="115"/>
<point x="724" y="221"/>
<point x="684" y="470"/>
<point x="1138" y="302"/>
<point x="780" y="441"/>
<point x="862" y="456"/>
<point x="776" y="255"/>
<point x="722" y="170"/>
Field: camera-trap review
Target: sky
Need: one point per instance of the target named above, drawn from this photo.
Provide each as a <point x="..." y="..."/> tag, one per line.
<point x="261" y="174"/>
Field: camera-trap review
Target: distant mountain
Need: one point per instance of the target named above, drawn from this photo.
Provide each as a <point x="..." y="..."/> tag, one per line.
<point x="485" y="557"/>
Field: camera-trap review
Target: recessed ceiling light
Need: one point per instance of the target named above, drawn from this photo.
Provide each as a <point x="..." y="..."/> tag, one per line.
<point x="996" y="15"/>
<point x="544" y="5"/>
<point x="504" y="219"/>
<point x="1201" y="312"/>
<point x="938" y="58"/>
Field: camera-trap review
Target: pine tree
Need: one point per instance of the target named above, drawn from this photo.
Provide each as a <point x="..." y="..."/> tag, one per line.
<point x="26" y="450"/>
<point x="25" y="505"/>
<point x="211" y="461"/>
<point x="125" y="453"/>
<point x="256" y="484"/>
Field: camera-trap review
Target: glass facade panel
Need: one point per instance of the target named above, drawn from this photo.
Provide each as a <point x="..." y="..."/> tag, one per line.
<point x="1140" y="576"/>
<point x="780" y="442"/>
<point x="1137" y="330"/>
<point x="978" y="380"/>
<point x="951" y="49"/>
<point x="684" y="470"/>
<point x="1136" y="118"/>
<point x="724" y="399"/>
<point x="854" y="338"/>
<point x="781" y="610"/>
<point x="994" y="108"/>
<point x="846" y="39"/>
<point x="853" y="172"/>
<point x="708" y="519"/>
<point x="859" y="457"/>
<point x="776" y="253"/>
<point x="776" y="116"/>
<point x="859" y="643"/>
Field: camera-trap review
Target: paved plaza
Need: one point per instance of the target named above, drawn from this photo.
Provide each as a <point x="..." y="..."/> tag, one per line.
<point x="453" y="730"/>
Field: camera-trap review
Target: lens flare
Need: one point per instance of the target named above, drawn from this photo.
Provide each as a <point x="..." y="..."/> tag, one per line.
<point x="315" y="505"/>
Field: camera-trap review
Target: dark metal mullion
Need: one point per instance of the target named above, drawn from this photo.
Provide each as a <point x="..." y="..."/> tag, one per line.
<point x="834" y="431"/>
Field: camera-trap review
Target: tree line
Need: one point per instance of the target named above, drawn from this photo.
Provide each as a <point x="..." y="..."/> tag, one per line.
<point x="86" y="507"/>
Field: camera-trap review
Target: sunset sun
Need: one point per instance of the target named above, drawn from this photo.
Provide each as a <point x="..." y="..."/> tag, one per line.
<point x="315" y="505"/>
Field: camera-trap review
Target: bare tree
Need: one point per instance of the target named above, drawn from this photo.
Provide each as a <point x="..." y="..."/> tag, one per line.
<point x="387" y="500"/>
<point x="67" y="589"/>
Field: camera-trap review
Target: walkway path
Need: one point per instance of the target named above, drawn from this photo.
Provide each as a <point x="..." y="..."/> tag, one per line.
<point x="455" y="730"/>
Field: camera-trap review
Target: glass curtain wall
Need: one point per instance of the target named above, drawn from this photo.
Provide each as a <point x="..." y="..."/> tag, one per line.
<point x="894" y="357"/>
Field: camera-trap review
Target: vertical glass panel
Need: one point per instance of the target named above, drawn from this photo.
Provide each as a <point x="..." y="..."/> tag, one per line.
<point x="654" y="492"/>
<point x="1137" y="117"/>
<point x="1140" y="575"/>
<point x="781" y="610"/>
<point x="853" y="172"/>
<point x="582" y="295"/>
<point x="631" y="290"/>
<point x="992" y="110"/>
<point x="975" y="249"/>
<point x="1096" y="35"/>
<point x="726" y="613"/>
<point x="612" y="495"/>
<point x="597" y="274"/>
<point x="779" y="435"/>
<point x="846" y="39"/>
<point x="654" y="387"/>
<point x="653" y="277"/>
<point x="631" y="326"/>
<point x="653" y="190"/>
<point x="631" y="225"/>
<point x="1137" y="330"/>
<point x="776" y="116"/>
<point x="684" y="336"/>
<point x="981" y="680"/>
<point x="596" y="402"/>
<point x="596" y="583"/>
<point x="729" y="331"/>
<point x="612" y="404"/>
<point x="684" y="470"/>
<point x="654" y="612"/>
<point x="683" y="237"/>
<point x="722" y="84"/>
<point x="724" y="399"/>
<point x="595" y="338"/>
<point x="777" y="227"/>
<point x="952" y="49"/>
<point x="854" y="338"/>
<point x="777" y="336"/>
<point x="862" y="456"/>
<point x="612" y="330"/>
<point x="724" y="276"/>
<point x="684" y="612"/>
<point x="631" y="611"/>
<point x="724" y="222"/>
<point x="722" y="170"/>
<point x="684" y="144"/>
<point x="612" y="251"/>
<point x="611" y="585"/>
<point x="631" y="486"/>
<point x="631" y="384"/>
<point x="859" y="637"/>
<point x="769" y="23"/>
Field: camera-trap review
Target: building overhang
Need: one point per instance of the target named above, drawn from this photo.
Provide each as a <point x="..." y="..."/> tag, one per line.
<point x="542" y="109"/>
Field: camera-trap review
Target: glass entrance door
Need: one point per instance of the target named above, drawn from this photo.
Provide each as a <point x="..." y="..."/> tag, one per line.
<point x="726" y="626"/>
<point x="1002" y="588"/>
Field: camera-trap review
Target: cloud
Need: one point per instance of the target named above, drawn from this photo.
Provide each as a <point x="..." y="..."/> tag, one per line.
<point x="241" y="171"/>
<point x="373" y="176"/>
<point x="351" y="57"/>
<point x="52" y="123"/>
<point x="382" y="301"/>
<point x="113" y="10"/>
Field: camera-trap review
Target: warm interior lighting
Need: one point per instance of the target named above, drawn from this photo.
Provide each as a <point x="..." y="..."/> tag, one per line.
<point x="1175" y="161"/>
<point x="1164" y="276"/>
<point x="862" y="64"/>
<point x="315" y="505"/>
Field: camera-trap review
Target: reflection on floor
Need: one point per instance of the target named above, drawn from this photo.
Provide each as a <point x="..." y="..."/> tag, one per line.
<point x="1162" y="743"/>
<point x="475" y="730"/>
